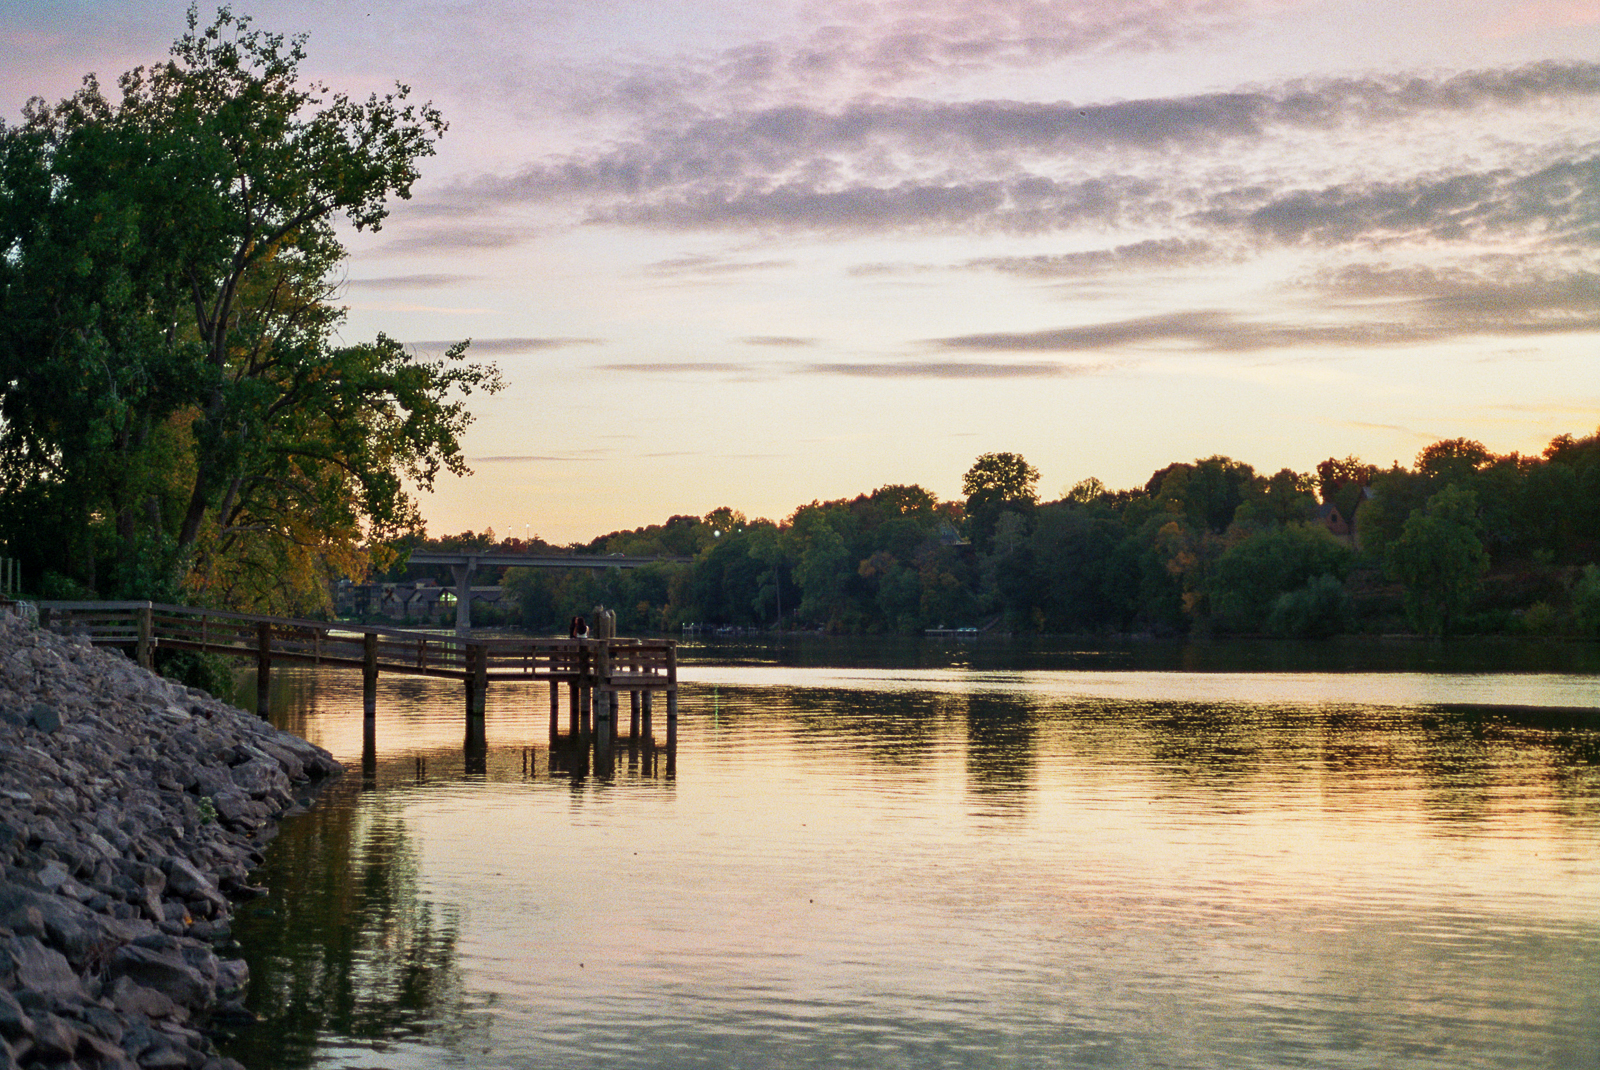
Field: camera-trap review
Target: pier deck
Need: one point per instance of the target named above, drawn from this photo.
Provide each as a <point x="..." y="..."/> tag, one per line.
<point x="596" y="672"/>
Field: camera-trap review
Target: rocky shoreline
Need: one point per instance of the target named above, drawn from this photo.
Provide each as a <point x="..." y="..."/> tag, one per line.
<point x="132" y="810"/>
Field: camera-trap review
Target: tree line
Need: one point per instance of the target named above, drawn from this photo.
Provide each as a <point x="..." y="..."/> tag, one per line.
<point x="1463" y="541"/>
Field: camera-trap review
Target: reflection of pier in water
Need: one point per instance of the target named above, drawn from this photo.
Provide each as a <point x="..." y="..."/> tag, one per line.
<point x="595" y="746"/>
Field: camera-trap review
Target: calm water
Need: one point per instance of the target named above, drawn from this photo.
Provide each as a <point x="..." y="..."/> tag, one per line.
<point x="926" y="856"/>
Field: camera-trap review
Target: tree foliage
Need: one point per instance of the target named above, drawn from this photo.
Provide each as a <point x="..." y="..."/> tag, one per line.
<point x="1127" y="561"/>
<point x="996" y="484"/>
<point x="1440" y="559"/>
<point x="172" y="397"/>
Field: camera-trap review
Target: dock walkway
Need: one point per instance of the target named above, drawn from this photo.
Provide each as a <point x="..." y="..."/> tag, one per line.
<point x="596" y="672"/>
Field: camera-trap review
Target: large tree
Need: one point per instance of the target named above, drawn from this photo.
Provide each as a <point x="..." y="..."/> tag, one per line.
<point x="997" y="483"/>
<point x="1440" y="559"/>
<point x="172" y="395"/>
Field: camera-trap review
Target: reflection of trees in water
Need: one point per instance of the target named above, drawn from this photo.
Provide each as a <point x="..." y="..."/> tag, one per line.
<point x="346" y="945"/>
<point x="1002" y="750"/>
<point x="900" y="728"/>
<point x="1448" y="764"/>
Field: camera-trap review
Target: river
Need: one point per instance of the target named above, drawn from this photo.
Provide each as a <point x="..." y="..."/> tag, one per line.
<point x="936" y="854"/>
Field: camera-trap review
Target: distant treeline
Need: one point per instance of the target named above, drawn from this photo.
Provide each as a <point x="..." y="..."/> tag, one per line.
<point x="1465" y="541"/>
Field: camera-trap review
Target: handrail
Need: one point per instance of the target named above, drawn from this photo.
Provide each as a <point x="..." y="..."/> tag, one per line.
<point x="635" y="663"/>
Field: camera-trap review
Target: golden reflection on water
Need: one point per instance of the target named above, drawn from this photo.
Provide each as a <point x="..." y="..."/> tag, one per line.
<point x="941" y="868"/>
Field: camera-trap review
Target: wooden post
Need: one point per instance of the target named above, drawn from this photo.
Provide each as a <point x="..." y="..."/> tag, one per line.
<point x="633" y="694"/>
<point x="147" y="627"/>
<point x="647" y="727"/>
<point x="602" y="724"/>
<point x="585" y="688"/>
<point x="475" y="750"/>
<point x="369" y="711"/>
<point x="605" y="701"/>
<point x="369" y="755"/>
<point x="477" y="680"/>
<point x="263" y="668"/>
<point x="672" y="702"/>
<point x="672" y="720"/>
<point x="555" y="712"/>
<point x="369" y="676"/>
<point x="572" y="708"/>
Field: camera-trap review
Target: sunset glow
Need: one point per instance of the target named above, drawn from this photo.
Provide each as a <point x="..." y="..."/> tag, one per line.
<point x="755" y="257"/>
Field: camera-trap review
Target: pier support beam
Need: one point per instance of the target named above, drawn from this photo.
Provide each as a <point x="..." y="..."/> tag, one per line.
<point x="477" y="681"/>
<point x="369" y="676"/>
<point x="147" y="628"/>
<point x="672" y="706"/>
<point x="603" y="701"/>
<point x="476" y="747"/>
<point x="369" y="710"/>
<point x="555" y="712"/>
<point x="263" y="669"/>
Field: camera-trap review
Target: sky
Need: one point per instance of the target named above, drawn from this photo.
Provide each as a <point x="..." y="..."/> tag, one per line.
<point x="756" y="255"/>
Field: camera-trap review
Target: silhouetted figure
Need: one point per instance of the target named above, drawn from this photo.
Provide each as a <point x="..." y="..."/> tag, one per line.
<point x="580" y="628"/>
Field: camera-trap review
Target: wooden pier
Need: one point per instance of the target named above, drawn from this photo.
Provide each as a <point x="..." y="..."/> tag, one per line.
<point x="595" y="673"/>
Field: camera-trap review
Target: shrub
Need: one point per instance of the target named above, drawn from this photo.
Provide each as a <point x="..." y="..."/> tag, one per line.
<point x="1586" y="600"/>
<point x="1318" y="610"/>
<point x="211" y="673"/>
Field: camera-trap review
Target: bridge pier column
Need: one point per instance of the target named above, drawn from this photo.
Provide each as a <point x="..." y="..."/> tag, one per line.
<point x="463" y="577"/>
<point x="555" y="712"/>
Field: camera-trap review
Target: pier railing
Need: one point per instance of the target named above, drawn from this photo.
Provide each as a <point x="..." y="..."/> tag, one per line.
<point x="596" y="673"/>
<point x="143" y="627"/>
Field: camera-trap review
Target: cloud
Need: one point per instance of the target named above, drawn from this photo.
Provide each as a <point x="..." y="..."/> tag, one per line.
<point x="956" y="370"/>
<point x="873" y="48"/>
<point x="455" y="238"/>
<point x="886" y="141"/>
<point x="406" y="282"/>
<point x="1560" y="201"/>
<point x="712" y="265"/>
<point x="1374" y="306"/>
<point x="520" y="458"/>
<point x="677" y="367"/>
<point x="1155" y="253"/>
<point x="1026" y="204"/>
<point x="506" y="346"/>
<point x="1500" y="297"/>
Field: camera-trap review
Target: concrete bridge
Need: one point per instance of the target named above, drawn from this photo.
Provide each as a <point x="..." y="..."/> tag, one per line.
<point x="463" y="565"/>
